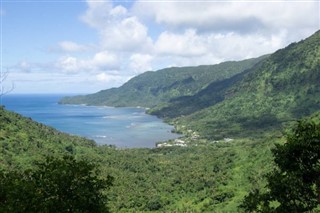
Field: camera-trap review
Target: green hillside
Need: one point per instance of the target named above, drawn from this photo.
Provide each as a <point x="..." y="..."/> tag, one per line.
<point x="282" y="88"/>
<point x="231" y="99"/>
<point x="210" y="175"/>
<point x="208" y="178"/>
<point x="23" y="141"/>
<point x="213" y="177"/>
<point x="156" y="88"/>
<point x="185" y="105"/>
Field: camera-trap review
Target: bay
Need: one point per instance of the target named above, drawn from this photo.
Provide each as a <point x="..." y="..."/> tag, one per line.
<point x="122" y="127"/>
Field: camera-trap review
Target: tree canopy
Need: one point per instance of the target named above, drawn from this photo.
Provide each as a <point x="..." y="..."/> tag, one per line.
<point x="57" y="185"/>
<point x="294" y="186"/>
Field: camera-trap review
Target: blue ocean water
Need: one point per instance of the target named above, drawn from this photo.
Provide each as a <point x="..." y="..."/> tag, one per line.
<point x="122" y="127"/>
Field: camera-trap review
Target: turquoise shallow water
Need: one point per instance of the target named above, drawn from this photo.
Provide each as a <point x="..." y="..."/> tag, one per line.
<point x="123" y="127"/>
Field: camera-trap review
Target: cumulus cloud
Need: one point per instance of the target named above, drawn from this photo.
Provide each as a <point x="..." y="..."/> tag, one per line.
<point x="210" y="31"/>
<point x="111" y="78"/>
<point x="69" y="64"/>
<point x="226" y="16"/>
<point x="118" y="30"/>
<point x="105" y="60"/>
<point x="140" y="63"/>
<point x="100" y="61"/>
<point x="124" y="44"/>
<point x="190" y="48"/>
<point x="24" y="66"/>
<point x="155" y="34"/>
<point x="81" y="83"/>
<point x="118" y="12"/>
<point x="152" y="34"/>
<point x="97" y="14"/>
<point x="186" y="44"/>
<point x="127" y="35"/>
<point x="69" y="46"/>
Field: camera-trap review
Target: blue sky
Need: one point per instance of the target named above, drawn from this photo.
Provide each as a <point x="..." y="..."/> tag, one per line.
<point x="78" y="46"/>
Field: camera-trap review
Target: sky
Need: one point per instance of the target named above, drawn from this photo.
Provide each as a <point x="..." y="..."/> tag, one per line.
<point x="83" y="46"/>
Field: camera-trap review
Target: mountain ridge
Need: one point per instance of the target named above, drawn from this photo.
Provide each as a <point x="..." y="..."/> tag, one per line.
<point x="201" y="177"/>
<point x="282" y="88"/>
<point x="156" y="88"/>
<point x="259" y="96"/>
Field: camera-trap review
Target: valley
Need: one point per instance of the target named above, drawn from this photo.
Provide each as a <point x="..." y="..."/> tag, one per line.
<point x="232" y="116"/>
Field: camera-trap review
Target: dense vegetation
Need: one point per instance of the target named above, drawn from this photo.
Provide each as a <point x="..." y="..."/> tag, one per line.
<point x="229" y="100"/>
<point x="211" y="174"/>
<point x="56" y="185"/>
<point x="294" y="185"/>
<point x="152" y="89"/>
<point x="23" y="141"/>
<point x="211" y="177"/>
<point x="281" y="88"/>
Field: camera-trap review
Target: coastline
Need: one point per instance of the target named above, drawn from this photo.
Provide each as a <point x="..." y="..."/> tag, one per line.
<point x="124" y="127"/>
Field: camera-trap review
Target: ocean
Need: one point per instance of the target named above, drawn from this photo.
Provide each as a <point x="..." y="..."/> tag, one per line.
<point x="123" y="127"/>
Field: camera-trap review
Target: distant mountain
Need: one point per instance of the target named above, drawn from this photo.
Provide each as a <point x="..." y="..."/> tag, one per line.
<point x="231" y="99"/>
<point x="168" y="179"/>
<point x="185" y="105"/>
<point x="281" y="88"/>
<point x="152" y="89"/>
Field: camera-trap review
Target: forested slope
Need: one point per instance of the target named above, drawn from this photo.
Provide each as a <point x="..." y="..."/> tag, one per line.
<point x="23" y="140"/>
<point x="156" y="88"/>
<point x="206" y="178"/>
<point x="212" y="177"/>
<point x="209" y="175"/>
<point x="282" y="88"/>
<point x="209" y="96"/>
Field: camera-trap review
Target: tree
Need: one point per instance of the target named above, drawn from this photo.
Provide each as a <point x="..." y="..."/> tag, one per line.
<point x="294" y="186"/>
<point x="57" y="185"/>
<point x="3" y="90"/>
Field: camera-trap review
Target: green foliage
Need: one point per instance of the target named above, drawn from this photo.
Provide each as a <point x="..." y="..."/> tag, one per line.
<point x="281" y="88"/>
<point x="185" y="105"/>
<point x="208" y="178"/>
<point x="23" y="141"/>
<point x="294" y="186"/>
<point x="214" y="102"/>
<point x="212" y="177"/>
<point x="249" y="98"/>
<point x="57" y="185"/>
<point x="152" y="89"/>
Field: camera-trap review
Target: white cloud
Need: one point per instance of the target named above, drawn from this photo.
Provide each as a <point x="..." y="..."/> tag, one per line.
<point x="127" y="35"/>
<point x="210" y="32"/>
<point x="69" y="64"/>
<point x="118" y="30"/>
<point x="192" y="33"/>
<point x="105" y="60"/>
<point x="172" y="33"/>
<point x="100" y="61"/>
<point x="40" y="82"/>
<point x="118" y="12"/>
<point x="233" y="46"/>
<point x="182" y="50"/>
<point x="103" y="77"/>
<point x="231" y="16"/>
<point x="97" y="14"/>
<point x="140" y="63"/>
<point x="24" y="66"/>
<point x="69" y="46"/>
<point x="113" y="79"/>
<point x="187" y="44"/>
